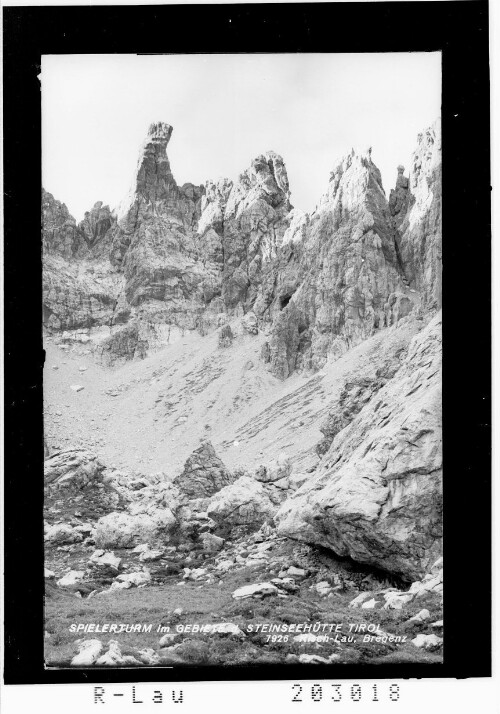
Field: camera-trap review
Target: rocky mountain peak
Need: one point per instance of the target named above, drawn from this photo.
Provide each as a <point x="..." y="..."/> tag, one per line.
<point x="60" y="234"/>
<point x="352" y="176"/>
<point x="340" y="277"/>
<point x="266" y="180"/>
<point x="189" y="255"/>
<point x="400" y="197"/>
<point x="161" y="131"/>
<point x="213" y="205"/>
<point x="96" y="223"/>
<point x="416" y="207"/>
<point x="154" y="180"/>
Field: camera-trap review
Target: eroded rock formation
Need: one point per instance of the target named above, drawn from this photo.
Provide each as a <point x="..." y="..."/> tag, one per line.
<point x="339" y="274"/>
<point x="307" y="288"/>
<point x="377" y="493"/>
<point x="418" y="219"/>
<point x="204" y="473"/>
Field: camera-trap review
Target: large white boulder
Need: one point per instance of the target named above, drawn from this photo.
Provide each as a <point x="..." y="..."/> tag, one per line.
<point x="255" y="589"/>
<point x="71" y="578"/>
<point x="88" y="652"/>
<point x="123" y="530"/>
<point x="62" y="533"/>
<point x="244" y="503"/>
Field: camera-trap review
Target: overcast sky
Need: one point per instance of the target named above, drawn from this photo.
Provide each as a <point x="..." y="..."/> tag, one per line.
<point x="227" y="109"/>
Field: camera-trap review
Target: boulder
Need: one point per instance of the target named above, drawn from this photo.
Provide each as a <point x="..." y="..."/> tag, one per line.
<point x="72" y="469"/>
<point x="204" y="473"/>
<point x="421" y="616"/>
<point x="370" y="604"/>
<point x="277" y="470"/>
<point x="123" y="344"/>
<point x="151" y="555"/>
<point x="244" y="503"/>
<point x="61" y="533"/>
<point x="123" y="530"/>
<point x="396" y="600"/>
<point x="71" y="578"/>
<point x="249" y="323"/>
<point x="104" y="563"/>
<point x="140" y="577"/>
<point x="428" y="642"/>
<point x="148" y="656"/>
<point x="115" y="586"/>
<point x="294" y="572"/>
<point x="114" y="657"/>
<point x="317" y="659"/>
<point x="258" y="589"/>
<point x="211" y="542"/>
<point x="360" y="599"/>
<point x="168" y="639"/>
<point x="88" y="653"/>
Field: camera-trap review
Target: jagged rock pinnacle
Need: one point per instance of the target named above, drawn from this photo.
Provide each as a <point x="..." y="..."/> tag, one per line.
<point x="160" y="130"/>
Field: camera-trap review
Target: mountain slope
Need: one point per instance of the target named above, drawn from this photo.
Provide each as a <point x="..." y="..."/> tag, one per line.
<point x="222" y="312"/>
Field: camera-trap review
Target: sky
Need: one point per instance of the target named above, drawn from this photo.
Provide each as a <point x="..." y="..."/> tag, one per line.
<point x="226" y="110"/>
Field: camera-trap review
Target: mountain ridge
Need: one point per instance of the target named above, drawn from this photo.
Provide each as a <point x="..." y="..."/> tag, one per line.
<point x="221" y="312"/>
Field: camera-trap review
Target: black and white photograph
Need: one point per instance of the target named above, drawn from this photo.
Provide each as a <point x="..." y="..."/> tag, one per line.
<point x="242" y="385"/>
<point x="247" y="303"/>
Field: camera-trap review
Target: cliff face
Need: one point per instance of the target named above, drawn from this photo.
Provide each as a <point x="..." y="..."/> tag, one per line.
<point x="154" y="241"/>
<point x="60" y="234"/>
<point x="343" y="278"/>
<point x="376" y="495"/>
<point x="243" y="223"/>
<point x="192" y="257"/>
<point x="78" y="293"/>
<point x="146" y="255"/>
<point x="417" y="214"/>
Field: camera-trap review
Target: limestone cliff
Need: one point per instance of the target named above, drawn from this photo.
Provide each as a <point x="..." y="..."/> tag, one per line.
<point x="190" y="257"/>
<point x="339" y="277"/>
<point x="60" y="234"/>
<point x="418" y="218"/>
<point x="376" y="495"/>
<point x="78" y="292"/>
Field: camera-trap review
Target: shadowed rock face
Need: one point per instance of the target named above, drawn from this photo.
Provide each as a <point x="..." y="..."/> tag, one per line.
<point x="340" y="278"/>
<point x="144" y="261"/>
<point x="244" y="223"/>
<point x="123" y="344"/>
<point x="376" y="496"/>
<point x="254" y="223"/>
<point x="204" y="473"/>
<point x="74" y="298"/>
<point x="60" y="234"/>
<point x="154" y="240"/>
<point x="418" y="219"/>
<point x="96" y="224"/>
